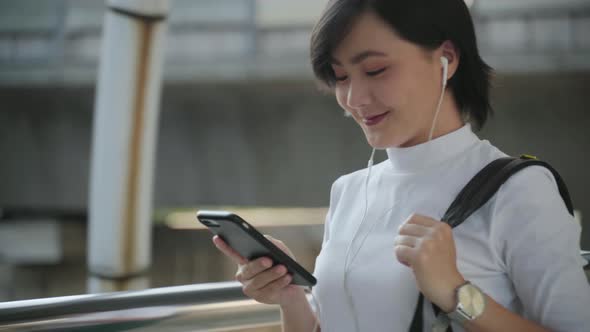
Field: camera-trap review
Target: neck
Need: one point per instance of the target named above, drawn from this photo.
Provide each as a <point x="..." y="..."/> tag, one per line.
<point x="428" y="155"/>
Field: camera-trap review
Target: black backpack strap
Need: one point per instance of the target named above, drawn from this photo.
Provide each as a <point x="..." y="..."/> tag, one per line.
<point x="417" y="321"/>
<point x="487" y="182"/>
<point x="477" y="192"/>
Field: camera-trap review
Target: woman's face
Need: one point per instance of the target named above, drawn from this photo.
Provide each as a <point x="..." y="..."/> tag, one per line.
<point x="389" y="85"/>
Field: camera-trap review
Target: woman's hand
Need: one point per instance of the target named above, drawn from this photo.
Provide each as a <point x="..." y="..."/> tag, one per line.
<point x="261" y="281"/>
<point x="426" y="246"/>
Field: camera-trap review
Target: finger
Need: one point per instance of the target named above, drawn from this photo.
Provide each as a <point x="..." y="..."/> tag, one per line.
<point x="279" y="284"/>
<point x="228" y="251"/>
<point x="276" y="242"/>
<point x="253" y="268"/>
<point x="419" y="219"/>
<point x="275" y="286"/>
<point x="264" y="278"/>
<point x="414" y="230"/>
<point x="409" y="241"/>
<point x="405" y="254"/>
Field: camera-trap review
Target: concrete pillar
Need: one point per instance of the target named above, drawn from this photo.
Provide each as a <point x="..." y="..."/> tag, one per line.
<point x="124" y="139"/>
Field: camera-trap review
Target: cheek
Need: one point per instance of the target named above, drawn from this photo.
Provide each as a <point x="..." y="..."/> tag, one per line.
<point x="403" y="92"/>
<point x="422" y="87"/>
<point x="390" y="92"/>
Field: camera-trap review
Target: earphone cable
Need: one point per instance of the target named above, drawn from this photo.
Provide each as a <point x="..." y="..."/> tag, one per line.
<point x="317" y="305"/>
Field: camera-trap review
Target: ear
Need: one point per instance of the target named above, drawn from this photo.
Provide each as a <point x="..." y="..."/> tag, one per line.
<point x="449" y="51"/>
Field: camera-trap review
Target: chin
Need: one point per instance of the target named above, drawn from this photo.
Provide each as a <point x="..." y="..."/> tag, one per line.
<point x="384" y="142"/>
<point x="379" y="144"/>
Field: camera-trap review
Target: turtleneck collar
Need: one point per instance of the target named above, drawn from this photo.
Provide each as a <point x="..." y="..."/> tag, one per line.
<point x="423" y="156"/>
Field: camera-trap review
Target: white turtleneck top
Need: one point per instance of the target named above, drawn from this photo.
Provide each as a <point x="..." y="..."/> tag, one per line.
<point x="521" y="248"/>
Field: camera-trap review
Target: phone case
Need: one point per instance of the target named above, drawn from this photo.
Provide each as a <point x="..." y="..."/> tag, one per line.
<point x="251" y="244"/>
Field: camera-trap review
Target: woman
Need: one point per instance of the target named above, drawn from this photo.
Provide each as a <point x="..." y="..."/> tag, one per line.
<point x="410" y="75"/>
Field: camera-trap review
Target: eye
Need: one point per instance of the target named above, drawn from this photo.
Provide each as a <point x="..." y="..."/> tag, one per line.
<point x="341" y="78"/>
<point x="339" y="73"/>
<point x="376" y="72"/>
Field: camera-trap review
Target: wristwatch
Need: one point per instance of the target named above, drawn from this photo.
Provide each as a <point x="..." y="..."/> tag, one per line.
<point x="471" y="303"/>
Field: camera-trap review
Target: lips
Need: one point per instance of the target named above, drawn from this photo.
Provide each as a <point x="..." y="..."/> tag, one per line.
<point x="375" y="119"/>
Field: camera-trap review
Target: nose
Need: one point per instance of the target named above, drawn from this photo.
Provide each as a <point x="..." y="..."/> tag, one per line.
<point x="358" y="96"/>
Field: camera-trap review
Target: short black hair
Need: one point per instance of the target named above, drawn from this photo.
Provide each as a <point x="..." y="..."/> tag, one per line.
<point x="426" y="23"/>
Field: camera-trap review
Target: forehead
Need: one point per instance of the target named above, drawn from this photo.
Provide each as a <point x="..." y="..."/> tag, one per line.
<point x="369" y="32"/>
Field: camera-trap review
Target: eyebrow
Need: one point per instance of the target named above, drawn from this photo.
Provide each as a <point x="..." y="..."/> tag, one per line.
<point x="360" y="57"/>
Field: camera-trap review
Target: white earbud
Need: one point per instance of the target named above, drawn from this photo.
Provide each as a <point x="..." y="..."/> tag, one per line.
<point x="445" y="63"/>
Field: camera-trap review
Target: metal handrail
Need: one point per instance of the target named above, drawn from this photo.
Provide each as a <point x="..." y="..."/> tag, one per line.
<point x="91" y="303"/>
<point x="201" y="307"/>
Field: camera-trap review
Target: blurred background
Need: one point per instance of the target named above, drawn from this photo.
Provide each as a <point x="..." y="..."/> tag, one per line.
<point x="240" y="124"/>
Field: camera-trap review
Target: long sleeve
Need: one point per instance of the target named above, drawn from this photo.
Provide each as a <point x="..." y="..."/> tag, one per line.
<point x="539" y="243"/>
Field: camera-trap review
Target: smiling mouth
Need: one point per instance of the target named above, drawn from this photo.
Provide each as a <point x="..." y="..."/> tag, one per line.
<point x="373" y="120"/>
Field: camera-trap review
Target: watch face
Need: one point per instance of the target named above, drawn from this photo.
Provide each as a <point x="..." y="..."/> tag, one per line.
<point x="472" y="300"/>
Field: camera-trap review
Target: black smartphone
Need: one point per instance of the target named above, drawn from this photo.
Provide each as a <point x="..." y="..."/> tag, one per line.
<point x="251" y="244"/>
